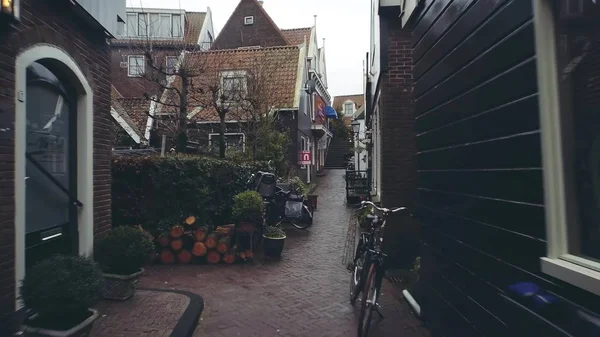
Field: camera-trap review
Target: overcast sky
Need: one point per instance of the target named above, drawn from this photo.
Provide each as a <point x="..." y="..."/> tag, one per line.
<point x="343" y="23"/>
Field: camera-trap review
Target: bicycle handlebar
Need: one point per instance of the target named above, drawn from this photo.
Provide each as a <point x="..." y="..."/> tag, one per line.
<point x="382" y="209"/>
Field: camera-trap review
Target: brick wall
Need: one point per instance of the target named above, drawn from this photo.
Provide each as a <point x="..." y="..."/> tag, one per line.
<point x="262" y="33"/>
<point x="138" y="86"/>
<point x="398" y="143"/>
<point x="50" y="23"/>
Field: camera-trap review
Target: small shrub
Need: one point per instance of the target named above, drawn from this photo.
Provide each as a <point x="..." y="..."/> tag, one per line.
<point x="273" y="232"/>
<point x="247" y="206"/>
<point x="123" y="251"/>
<point x="296" y="184"/>
<point x="62" y="287"/>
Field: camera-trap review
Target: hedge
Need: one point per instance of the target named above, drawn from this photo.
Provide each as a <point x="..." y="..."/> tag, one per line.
<point x="159" y="192"/>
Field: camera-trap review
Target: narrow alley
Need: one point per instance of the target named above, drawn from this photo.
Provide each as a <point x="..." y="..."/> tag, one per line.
<point x="303" y="294"/>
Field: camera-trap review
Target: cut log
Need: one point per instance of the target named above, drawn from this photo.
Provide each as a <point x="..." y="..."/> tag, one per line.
<point x="163" y="240"/>
<point x="224" y="230"/>
<point x="229" y="258"/>
<point x="213" y="256"/>
<point x="176" y="244"/>
<point x="167" y="256"/>
<point x="200" y="234"/>
<point x="176" y="231"/>
<point x="223" y="246"/>
<point x="243" y="255"/>
<point x="184" y="257"/>
<point x="249" y="254"/>
<point x="199" y="249"/>
<point x="211" y="241"/>
<point x="190" y="220"/>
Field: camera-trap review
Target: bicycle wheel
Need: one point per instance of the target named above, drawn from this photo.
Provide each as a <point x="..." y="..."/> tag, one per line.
<point x="358" y="274"/>
<point x="305" y="221"/>
<point x="369" y="300"/>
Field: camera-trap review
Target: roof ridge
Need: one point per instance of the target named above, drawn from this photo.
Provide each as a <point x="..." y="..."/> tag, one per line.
<point x="244" y="50"/>
<point x="303" y="28"/>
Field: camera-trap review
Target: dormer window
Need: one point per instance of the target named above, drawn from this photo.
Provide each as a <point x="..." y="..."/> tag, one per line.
<point x="157" y="25"/>
<point x="248" y="20"/>
<point x="348" y="108"/>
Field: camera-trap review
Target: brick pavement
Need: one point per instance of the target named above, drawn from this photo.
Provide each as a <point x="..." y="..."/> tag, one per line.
<point x="148" y="314"/>
<point x="303" y="294"/>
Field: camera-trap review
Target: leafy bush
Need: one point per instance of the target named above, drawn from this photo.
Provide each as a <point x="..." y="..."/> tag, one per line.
<point x="248" y="206"/>
<point x="62" y="287"/>
<point x="124" y="250"/>
<point x="273" y="232"/>
<point x="296" y="184"/>
<point x="154" y="191"/>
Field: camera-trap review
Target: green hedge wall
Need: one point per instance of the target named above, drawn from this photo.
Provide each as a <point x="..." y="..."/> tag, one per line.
<point x="159" y="192"/>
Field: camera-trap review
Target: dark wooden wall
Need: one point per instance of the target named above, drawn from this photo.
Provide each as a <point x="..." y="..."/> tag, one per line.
<point x="480" y="188"/>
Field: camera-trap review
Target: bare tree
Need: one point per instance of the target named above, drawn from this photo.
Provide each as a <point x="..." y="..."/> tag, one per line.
<point x="245" y="86"/>
<point x="164" y="76"/>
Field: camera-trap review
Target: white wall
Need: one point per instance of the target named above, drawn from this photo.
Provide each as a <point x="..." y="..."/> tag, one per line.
<point x="207" y="28"/>
<point x="105" y="12"/>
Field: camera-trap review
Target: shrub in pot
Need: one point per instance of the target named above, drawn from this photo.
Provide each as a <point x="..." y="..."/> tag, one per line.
<point x="121" y="254"/>
<point x="248" y="209"/>
<point x="60" y="292"/>
<point x="274" y="240"/>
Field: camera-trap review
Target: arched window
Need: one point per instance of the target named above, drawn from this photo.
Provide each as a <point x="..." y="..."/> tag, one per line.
<point x="51" y="165"/>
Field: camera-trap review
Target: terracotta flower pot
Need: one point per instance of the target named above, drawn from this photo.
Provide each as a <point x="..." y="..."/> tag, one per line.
<point x="312" y="200"/>
<point x="82" y="329"/>
<point x="120" y="287"/>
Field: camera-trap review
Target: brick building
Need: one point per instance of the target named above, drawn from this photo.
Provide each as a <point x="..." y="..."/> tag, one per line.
<point x="251" y="27"/>
<point x="54" y="148"/>
<point x="145" y="52"/>
<point x="389" y="116"/>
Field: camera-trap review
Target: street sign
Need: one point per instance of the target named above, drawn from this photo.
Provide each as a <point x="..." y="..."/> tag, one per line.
<point x="304" y="158"/>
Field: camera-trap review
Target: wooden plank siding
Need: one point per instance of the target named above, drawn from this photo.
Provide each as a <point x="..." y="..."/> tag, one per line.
<point x="480" y="186"/>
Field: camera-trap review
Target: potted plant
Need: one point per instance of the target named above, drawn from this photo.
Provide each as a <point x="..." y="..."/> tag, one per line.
<point x="60" y="292"/>
<point x="298" y="186"/>
<point x="274" y="238"/>
<point x="121" y="255"/>
<point x="248" y="209"/>
<point x="362" y="216"/>
<point x="312" y="198"/>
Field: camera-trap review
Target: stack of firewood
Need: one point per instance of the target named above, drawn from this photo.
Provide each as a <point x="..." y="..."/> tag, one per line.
<point x="189" y="243"/>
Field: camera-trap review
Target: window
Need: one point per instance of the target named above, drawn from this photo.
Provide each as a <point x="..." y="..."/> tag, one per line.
<point x="171" y="64"/>
<point x="249" y="20"/>
<point x="233" y="85"/>
<point x="131" y="24"/>
<point x="142" y="24"/>
<point x="570" y="128"/>
<point x="349" y="108"/>
<point x="136" y="66"/>
<point x="233" y="141"/>
<point x="176" y="25"/>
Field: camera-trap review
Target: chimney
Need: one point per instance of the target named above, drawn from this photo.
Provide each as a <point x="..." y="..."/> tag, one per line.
<point x="315" y="20"/>
<point x="261" y="2"/>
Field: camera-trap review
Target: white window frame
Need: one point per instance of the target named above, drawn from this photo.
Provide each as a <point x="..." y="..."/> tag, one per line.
<point x="351" y="111"/>
<point x="129" y="74"/>
<point x="248" y="20"/>
<point x="210" y="135"/>
<point x="559" y="263"/>
<point x="234" y="74"/>
<point x="167" y="58"/>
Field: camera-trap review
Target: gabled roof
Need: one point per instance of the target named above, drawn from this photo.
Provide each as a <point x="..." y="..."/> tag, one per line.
<point x="132" y="127"/>
<point x="297" y="36"/>
<point x="358" y="99"/>
<point x="263" y="32"/>
<point x="194" y="21"/>
<point x="272" y="79"/>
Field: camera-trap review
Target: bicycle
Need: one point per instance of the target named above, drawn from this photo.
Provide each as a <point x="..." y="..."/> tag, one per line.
<point x="368" y="271"/>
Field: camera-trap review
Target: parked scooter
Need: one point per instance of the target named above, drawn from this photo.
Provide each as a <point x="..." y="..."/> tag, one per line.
<point x="280" y="205"/>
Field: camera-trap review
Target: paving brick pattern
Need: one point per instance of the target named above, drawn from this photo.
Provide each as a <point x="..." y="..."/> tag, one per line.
<point x="303" y="294"/>
<point x="148" y="314"/>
